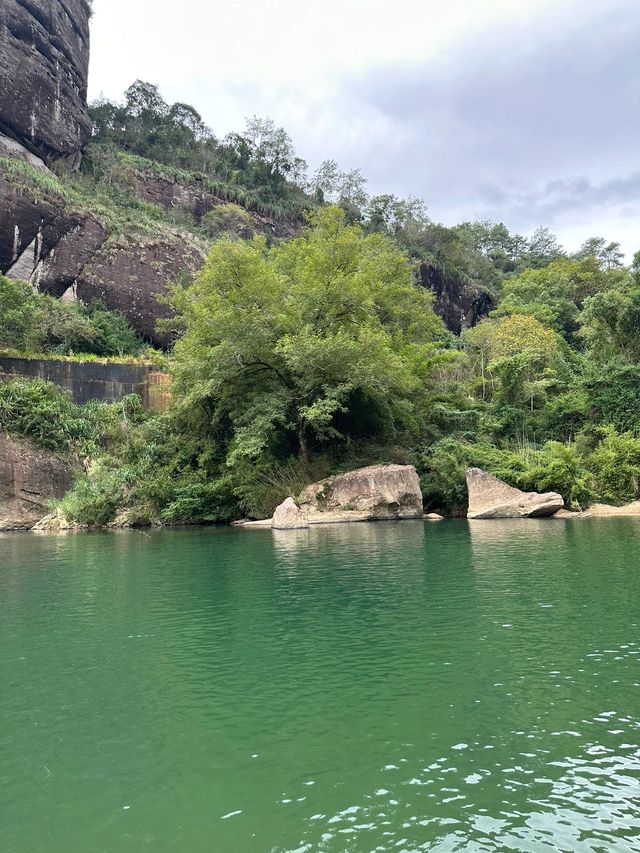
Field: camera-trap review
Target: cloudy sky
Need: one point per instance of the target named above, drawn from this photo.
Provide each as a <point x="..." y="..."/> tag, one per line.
<point x="524" y="111"/>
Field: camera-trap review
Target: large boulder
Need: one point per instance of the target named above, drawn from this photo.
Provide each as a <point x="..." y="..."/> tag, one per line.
<point x="489" y="497"/>
<point x="29" y="479"/>
<point x="289" y="516"/>
<point x="44" y="64"/>
<point x="376" y="492"/>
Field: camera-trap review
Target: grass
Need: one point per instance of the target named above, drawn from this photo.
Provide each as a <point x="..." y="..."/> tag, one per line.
<point x="151" y="357"/>
<point x="118" y="209"/>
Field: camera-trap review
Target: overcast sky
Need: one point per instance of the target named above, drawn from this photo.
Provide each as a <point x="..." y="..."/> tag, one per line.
<point x="524" y="111"/>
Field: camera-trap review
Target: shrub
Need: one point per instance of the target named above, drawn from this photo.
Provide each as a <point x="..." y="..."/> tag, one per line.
<point x="42" y="412"/>
<point x="32" y="322"/>
<point x="615" y="465"/>
<point x="229" y="220"/>
<point x="94" y="500"/>
<point x="18" y="309"/>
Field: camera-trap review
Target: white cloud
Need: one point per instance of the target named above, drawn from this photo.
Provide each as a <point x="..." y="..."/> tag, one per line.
<point x="478" y="107"/>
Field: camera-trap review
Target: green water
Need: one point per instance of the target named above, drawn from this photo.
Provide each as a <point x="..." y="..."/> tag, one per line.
<point x="391" y="687"/>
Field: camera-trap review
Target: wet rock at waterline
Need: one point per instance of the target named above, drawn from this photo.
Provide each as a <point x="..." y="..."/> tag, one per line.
<point x="378" y="492"/>
<point x="289" y="516"/>
<point x="489" y="497"/>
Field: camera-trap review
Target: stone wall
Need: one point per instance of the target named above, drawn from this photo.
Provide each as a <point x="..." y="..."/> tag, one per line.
<point x="94" y="380"/>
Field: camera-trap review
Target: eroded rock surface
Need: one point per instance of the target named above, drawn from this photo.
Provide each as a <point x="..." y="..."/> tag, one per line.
<point x="378" y="492"/>
<point x="461" y="305"/>
<point x="288" y="516"/>
<point x="168" y="192"/>
<point x="67" y="251"/>
<point x="489" y="497"/>
<point x="44" y="63"/>
<point x="29" y="478"/>
<point x="131" y="274"/>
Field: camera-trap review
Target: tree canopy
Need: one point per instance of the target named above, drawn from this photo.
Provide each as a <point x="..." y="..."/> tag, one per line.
<point x="319" y="338"/>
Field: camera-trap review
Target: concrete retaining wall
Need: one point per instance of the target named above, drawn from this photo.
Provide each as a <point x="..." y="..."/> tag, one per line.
<point x="94" y="380"/>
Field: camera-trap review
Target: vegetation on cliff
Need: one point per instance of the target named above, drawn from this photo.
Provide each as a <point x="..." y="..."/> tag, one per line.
<point x="299" y="358"/>
<point x="322" y="354"/>
<point x="35" y="323"/>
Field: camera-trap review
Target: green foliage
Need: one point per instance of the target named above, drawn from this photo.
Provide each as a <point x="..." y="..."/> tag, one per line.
<point x="282" y="345"/>
<point x="31" y="322"/>
<point x="229" y="220"/>
<point x="613" y="390"/>
<point x="18" y="308"/>
<point x="41" y="181"/>
<point x="610" y="323"/>
<point x="40" y="411"/>
<point x="95" y="498"/>
<point x="615" y="465"/>
<point x="258" y="168"/>
<point x="554" y="467"/>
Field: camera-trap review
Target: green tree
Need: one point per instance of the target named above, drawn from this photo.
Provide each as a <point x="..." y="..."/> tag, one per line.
<point x="517" y="355"/>
<point x="608" y="255"/>
<point x="288" y="345"/>
<point x="610" y="324"/>
<point x="555" y="294"/>
<point x="543" y="248"/>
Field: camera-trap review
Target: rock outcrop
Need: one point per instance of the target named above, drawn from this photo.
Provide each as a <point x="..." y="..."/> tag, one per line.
<point x="631" y="510"/>
<point x="195" y="198"/>
<point x="288" y="516"/>
<point x="130" y="275"/>
<point x="379" y="491"/>
<point x="67" y="251"/>
<point x="489" y="497"/>
<point x="461" y="305"/>
<point x="29" y="478"/>
<point x="44" y="63"/>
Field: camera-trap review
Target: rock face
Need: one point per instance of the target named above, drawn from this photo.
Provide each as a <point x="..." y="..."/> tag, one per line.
<point x="377" y="492"/>
<point x="69" y="252"/>
<point x="168" y="192"/>
<point x="460" y="305"/>
<point x="631" y="510"/>
<point x="491" y="498"/>
<point x="29" y="478"/>
<point x="130" y="274"/>
<point x="44" y="62"/>
<point x="288" y="516"/>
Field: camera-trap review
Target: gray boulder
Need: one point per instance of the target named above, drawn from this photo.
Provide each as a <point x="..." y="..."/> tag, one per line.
<point x="489" y="497"/>
<point x="288" y="516"/>
<point x="376" y="492"/>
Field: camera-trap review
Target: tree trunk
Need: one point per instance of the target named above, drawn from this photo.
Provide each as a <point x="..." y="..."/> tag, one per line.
<point x="302" y="443"/>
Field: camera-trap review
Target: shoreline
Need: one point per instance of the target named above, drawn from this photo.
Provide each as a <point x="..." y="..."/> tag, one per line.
<point x="597" y="511"/>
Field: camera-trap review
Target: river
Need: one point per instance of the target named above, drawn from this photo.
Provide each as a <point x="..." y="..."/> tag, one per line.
<point x="369" y="687"/>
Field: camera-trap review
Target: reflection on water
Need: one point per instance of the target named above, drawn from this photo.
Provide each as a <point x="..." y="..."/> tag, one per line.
<point x="388" y="686"/>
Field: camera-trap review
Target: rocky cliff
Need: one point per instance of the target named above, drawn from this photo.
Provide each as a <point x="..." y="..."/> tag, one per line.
<point x="69" y="248"/>
<point x="29" y="479"/>
<point x="44" y="65"/>
<point x="460" y="304"/>
<point x="50" y="235"/>
<point x="123" y="241"/>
